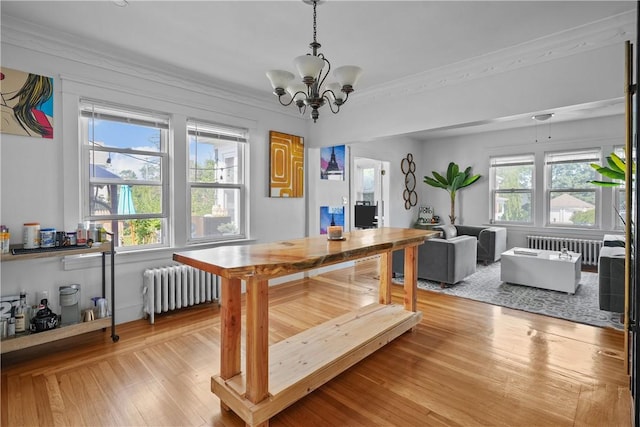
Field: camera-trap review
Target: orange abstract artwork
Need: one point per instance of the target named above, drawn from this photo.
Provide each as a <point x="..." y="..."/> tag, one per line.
<point x="287" y="165"/>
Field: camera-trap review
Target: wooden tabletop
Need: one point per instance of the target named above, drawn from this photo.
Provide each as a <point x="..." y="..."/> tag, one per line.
<point x="268" y="260"/>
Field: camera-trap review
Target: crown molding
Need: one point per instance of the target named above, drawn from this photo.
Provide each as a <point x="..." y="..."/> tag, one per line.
<point x="43" y="40"/>
<point x="606" y="32"/>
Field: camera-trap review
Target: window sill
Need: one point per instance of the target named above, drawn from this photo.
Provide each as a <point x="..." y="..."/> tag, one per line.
<point x="80" y="262"/>
<point x="577" y="232"/>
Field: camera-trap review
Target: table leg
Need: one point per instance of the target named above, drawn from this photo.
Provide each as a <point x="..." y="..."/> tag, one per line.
<point x="386" y="267"/>
<point x="231" y="327"/>
<point x="257" y="340"/>
<point x="410" y="277"/>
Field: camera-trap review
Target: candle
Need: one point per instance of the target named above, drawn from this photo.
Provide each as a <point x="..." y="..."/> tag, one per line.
<point x="335" y="231"/>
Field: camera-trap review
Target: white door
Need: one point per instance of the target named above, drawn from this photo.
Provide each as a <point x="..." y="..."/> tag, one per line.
<point x="370" y="183"/>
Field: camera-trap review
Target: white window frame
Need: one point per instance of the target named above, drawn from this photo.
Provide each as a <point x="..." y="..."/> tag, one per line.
<point x="496" y="162"/>
<point x="90" y="108"/>
<point x="592" y="155"/>
<point x="227" y="134"/>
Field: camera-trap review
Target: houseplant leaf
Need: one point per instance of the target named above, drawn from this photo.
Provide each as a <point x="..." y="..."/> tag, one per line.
<point x="452" y="171"/>
<point x="616" y="163"/>
<point x="456" y="183"/>
<point x="609" y="173"/>
<point x="441" y="178"/>
<point x="434" y="183"/>
<point x="470" y="180"/>
<point x="606" y="183"/>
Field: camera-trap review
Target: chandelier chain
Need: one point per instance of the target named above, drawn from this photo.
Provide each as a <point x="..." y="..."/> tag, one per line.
<point x="314" y="21"/>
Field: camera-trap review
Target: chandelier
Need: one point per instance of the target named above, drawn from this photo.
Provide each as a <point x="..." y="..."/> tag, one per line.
<point x="313" y="92"/>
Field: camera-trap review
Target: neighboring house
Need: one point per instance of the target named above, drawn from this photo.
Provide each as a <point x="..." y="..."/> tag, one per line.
<point x="564" y="206"/>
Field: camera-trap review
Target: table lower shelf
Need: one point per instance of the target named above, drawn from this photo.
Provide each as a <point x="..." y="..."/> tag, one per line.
<point x="302" y="363"/>
<point x="24" y="341"/>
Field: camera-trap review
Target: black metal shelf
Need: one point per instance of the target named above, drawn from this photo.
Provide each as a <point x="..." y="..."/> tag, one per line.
<point x="105" y="248"/>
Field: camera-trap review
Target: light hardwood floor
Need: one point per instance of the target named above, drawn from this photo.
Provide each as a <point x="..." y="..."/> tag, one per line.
<point x="466" y="364"/>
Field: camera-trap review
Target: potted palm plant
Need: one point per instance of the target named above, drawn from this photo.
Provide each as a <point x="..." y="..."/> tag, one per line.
<point x="452" y="181"/>
<point x="615" y="171"/>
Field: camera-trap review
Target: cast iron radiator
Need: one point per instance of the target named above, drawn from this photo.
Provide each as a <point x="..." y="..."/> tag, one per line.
<point x="590" y="249"/>
<point x="174" y="287"/>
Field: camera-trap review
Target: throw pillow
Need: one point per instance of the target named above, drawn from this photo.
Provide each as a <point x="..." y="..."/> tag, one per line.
<point x="450" y="231"/>
<point x="613" y="240"/>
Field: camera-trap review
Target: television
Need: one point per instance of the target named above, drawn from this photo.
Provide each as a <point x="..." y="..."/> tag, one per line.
<point x="365" y="216"/>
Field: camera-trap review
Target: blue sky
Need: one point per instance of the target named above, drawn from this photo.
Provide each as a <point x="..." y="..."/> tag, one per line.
<point x="124" y="135"/>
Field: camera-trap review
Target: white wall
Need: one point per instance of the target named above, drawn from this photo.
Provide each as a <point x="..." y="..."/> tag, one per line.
<point x="393" y="150"/>
<point x="323" y="192"/>
<point x="330" y="193"/>
<point x="39" y="178"/>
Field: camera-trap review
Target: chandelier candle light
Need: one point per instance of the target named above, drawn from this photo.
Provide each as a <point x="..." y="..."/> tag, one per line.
<point x="310" y="68"/>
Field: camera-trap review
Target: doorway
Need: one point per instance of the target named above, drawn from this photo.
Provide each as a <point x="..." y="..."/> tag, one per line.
<point x="370" y="184"/>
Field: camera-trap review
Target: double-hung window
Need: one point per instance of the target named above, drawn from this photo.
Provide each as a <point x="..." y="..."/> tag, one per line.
<point x="216" y="181"/>
<point x="571" y="199"/>
<point x="512" y="180"/>
<point x="124" y="167"/>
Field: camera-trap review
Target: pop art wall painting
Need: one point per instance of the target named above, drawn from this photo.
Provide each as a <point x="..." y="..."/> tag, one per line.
<point x="27" y="103"/>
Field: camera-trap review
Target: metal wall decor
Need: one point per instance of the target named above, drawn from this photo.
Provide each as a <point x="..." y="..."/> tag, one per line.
<point x="408" y="168"/>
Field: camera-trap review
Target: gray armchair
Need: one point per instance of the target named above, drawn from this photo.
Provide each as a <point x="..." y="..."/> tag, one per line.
<point x="611" y="274"/>
<point x="447" y="261"/>
<point x="492" y="241"/>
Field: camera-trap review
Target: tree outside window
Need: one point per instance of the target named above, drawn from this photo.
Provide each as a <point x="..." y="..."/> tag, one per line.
<point x="124" y="157"/>
<point x="512" y="189"/>
<point x="216" y="181"/>
<point x="572" y="199"/>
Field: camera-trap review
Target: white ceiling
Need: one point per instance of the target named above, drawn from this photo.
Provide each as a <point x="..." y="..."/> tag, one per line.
<point x="233" y="43"/>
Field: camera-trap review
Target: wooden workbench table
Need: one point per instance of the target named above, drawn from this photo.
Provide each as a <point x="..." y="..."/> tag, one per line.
<point x="277" y="376"/>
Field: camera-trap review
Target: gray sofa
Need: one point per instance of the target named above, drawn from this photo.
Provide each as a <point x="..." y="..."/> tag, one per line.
<point x="447" y="261"/>
<point x="611" y="274"/>
<point x="492" y="241"/>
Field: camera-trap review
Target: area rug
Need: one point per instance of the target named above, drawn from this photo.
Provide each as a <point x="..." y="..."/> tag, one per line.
<point x="485" y="285"/>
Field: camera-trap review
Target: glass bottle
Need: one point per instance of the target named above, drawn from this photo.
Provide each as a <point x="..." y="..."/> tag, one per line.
<point x="94" y="232"/>
<point x="102" y="233"/>
<point x="22" y="314"/>
<point x="11" y="327"/>
<point x="4" y="239"/>
<point x="81" y="235"/>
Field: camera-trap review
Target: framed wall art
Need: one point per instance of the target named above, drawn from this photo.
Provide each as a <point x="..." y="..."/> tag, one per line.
<point x="425" y="215"/>
<point x="332" y="163"/>
<point x="27" y="103"/>
<point x="331" y="215"/>
<point x="286" y="160"/>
